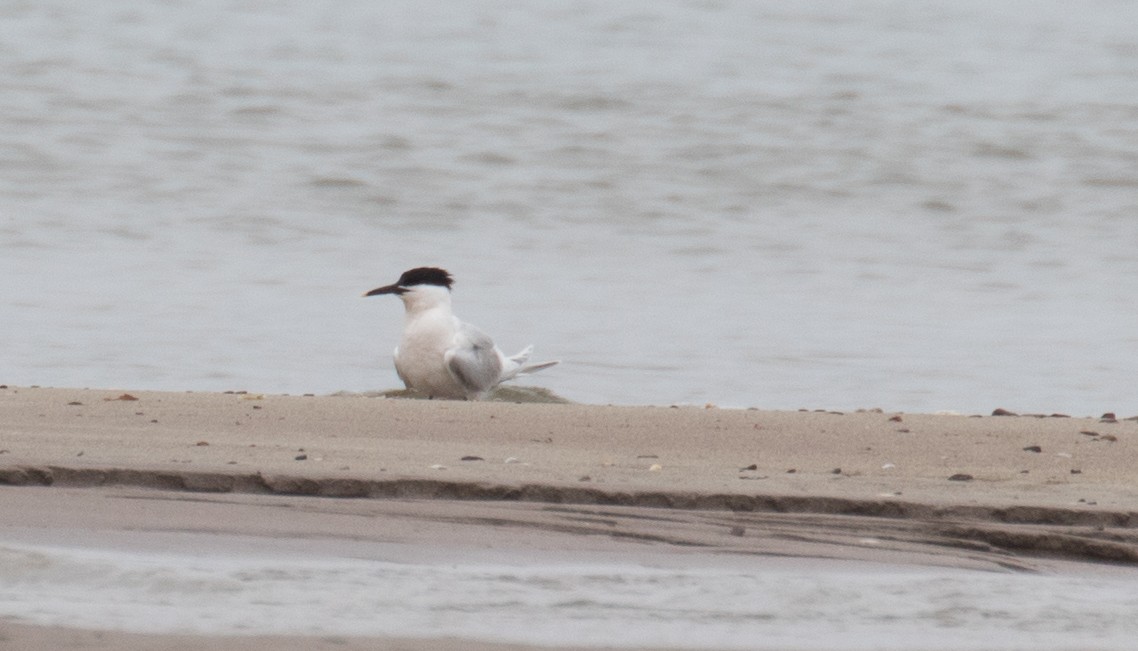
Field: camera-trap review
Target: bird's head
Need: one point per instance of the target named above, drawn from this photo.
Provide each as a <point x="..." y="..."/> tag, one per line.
<point x="419" y="287"/>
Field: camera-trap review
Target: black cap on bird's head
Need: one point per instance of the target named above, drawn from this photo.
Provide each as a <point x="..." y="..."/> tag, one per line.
<point x="413" y="277"/>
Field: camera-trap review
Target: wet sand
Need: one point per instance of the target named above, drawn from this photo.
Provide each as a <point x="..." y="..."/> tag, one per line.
<point x="20" y="637"/>
<point x="121" y="467"/>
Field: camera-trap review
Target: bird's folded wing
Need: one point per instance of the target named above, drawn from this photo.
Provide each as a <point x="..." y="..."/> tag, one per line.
<point x="473" y="360"/>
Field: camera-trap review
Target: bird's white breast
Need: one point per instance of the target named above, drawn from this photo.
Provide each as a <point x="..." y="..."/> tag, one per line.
<point x="427" y="334"/>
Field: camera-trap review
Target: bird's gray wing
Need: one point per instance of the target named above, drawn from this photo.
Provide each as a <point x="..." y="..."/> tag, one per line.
<point x="473" y="360"/>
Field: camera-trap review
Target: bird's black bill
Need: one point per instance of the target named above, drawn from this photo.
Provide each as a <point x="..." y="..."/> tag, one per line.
<point x="386" y="289"/>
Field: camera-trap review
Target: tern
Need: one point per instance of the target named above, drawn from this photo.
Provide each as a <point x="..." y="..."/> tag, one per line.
<point x="439" y="355"/>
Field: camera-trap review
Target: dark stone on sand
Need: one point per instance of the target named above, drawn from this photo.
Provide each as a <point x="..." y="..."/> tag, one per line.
<point x="1108" y="417"/>
<point x="1033" y="448"/>
<point x="960" y="476"/>
<point x="471" y="457"/>
<point x="1003" y="412"/>
<point x="301" y="457"/>
<point x="750" y="467"/>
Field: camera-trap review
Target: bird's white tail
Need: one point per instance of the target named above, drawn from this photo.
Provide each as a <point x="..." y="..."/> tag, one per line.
<point x="516" y="365"/>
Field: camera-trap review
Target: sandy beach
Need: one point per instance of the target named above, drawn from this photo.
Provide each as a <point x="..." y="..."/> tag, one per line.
<point x="124" y="468"/>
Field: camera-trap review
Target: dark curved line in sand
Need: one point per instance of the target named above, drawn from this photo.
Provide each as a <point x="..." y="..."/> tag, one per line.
<point x="1108" y="536"/>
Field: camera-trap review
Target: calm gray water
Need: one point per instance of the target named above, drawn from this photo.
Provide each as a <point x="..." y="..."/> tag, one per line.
<point x="915" y="206"/>
<point x="588" y="599"/>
